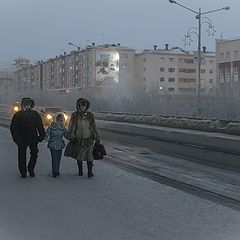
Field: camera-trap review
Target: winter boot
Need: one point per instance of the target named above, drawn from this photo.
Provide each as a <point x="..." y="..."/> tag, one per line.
<point x="89" y="166"/>
<point x="80" y="169"/>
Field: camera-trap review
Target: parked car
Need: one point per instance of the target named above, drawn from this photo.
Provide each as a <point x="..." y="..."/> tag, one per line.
<point x="48" y="112"/>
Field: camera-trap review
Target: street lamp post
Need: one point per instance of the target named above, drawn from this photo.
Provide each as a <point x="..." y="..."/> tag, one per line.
<point x="78" y="47"/>
<point x="199" y="18"/>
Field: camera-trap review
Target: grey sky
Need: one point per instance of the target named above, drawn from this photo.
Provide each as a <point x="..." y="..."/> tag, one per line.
<point x="40" y="29"/>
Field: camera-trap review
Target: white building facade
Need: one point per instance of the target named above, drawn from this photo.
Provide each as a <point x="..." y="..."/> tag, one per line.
<point x="169" y="71"/>
<point x="174" y="71"/>
<point x="228" y="63"/>
<point x="106" y="65"/>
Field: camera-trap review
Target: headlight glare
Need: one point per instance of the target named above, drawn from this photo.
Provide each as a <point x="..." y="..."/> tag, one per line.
<point x="49" y="117"/>
<point x="16" y="108"/>
<point x="65" y="117"/>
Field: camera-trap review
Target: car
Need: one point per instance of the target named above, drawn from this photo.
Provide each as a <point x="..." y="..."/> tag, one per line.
<point x="47" y="114"/>
<point x="15" y="107"/>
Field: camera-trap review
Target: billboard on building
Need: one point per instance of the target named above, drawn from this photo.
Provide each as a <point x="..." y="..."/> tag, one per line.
<point x="107" y="68"/>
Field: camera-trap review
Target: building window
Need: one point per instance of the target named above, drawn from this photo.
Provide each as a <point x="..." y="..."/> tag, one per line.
<point x="203" y="70"/>
<point x="188" y="61"/>
<point x="171" y="59"/>
<point x="162" y="59"/>
<point x="124" y="65"/>
<point x="185" y="60"/>
<point x="221" y="74"/>
<point x="161" y="69"/>
<point x="144" y="59"/>
<point x="210" y="80"/>
<point x="187" y="80"/>
<point x="221" y="56"/>
<point x="171" y="80"/>
<point x="236" y="54"/>
<point x="124" y="55"/>
<point x="227" y="71"/>
<point x="211" y="71"/>
<point x="235" y="70"/>
<point x="144" y="69"/>
<point x="161" y="79"/>
<point x="171" y="69"/>
<point x="227" y="55"/>
<point x="210" y="90"/>
<point x="170" y="89"/>
<point x="187" y="70"/>
<point x="187" y="90"/>
<point x="211" y="62"/>
<point x="144" y="79"/>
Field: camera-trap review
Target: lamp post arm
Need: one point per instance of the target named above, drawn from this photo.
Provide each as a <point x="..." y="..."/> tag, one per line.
<point x="216" y="10"/>
<point x="70" y="43"/>
<point x="186" y="7"/>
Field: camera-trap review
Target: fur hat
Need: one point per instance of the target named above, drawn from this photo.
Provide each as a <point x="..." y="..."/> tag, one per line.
<point x="27" y="103"/>
<point x="82" y="101"/>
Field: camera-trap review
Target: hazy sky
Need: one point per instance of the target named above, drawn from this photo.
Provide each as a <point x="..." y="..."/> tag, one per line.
<point x="40" y="29"/>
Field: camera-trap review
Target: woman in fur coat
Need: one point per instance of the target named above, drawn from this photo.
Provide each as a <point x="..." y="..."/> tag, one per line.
<point x="83" y="132"/>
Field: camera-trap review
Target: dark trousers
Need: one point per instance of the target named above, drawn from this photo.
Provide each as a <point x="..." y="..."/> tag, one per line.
<point x="22" y="155"/>
<point x="56" y="158"/>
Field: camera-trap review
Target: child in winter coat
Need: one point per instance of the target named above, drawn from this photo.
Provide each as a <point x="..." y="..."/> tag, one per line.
<point x="56" y="131"/>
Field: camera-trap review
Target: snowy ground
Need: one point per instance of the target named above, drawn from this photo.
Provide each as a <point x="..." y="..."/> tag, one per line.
<point x="212" y="125"/>
<point x="114" y="205"/>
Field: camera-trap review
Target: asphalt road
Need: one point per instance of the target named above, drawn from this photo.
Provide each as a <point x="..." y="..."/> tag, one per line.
<point x="115" y="204"/>
<point x="192" y="169"/>
<point x="206" y="173"/>
<point x="188" y="152"/>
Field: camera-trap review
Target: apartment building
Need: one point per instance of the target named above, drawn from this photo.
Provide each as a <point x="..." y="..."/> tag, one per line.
<point x="105" y="65"/>
<point x="169" y="70"/>
<point x="29" y="77"/>
<point x="228" y="63"/>
<point x="174" y="71"/>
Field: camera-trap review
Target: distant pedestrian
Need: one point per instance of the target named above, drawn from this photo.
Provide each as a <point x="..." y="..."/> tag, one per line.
<point x="83" y="132"/>
<point x="27" y="131"/>
<point x="55" y="132"/>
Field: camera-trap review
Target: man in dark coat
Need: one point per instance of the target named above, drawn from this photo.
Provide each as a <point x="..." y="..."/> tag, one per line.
<point x="27" y="131"/>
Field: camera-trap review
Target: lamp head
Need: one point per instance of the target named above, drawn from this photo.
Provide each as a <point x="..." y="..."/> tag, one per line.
<point x="226" y="8"/>
<point x="172" y="1"/>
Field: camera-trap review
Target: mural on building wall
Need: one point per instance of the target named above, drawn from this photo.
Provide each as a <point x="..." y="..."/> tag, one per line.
<point x="107" y="68"/>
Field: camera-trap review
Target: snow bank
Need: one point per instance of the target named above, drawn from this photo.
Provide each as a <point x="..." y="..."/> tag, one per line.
<point x="212" y="125"/>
